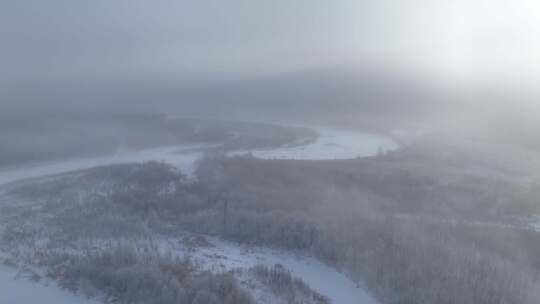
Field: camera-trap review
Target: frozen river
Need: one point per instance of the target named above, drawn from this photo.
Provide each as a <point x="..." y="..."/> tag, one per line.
<point x="17" y="289"/>
<point x="334" y="285"/>
<point x="331" y="144"/>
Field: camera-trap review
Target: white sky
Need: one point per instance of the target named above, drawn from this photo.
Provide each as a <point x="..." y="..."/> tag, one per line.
<point x="472" y="41"/>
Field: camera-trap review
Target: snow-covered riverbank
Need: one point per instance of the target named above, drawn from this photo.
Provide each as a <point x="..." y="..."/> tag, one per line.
<point x="17" y="289"/>
<point x="326" y="280"/>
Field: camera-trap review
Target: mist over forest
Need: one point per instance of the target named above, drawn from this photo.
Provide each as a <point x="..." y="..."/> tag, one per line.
<point x="274" y="152"/>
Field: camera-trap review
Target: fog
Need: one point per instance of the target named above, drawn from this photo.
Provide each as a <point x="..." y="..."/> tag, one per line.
<point x="136" y="54"/>
<point x="270" y="152"/>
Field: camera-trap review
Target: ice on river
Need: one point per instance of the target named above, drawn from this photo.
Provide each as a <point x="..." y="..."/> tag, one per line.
<point x="329" y="282"/>
<point x="183" y="157"/>
<point x="331" y="144"/>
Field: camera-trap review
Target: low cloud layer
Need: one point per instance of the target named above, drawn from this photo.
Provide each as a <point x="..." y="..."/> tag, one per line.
<point x="137" y="52"/>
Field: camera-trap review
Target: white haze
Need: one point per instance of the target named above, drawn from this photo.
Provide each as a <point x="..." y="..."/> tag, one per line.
<point x="457" y="43"/>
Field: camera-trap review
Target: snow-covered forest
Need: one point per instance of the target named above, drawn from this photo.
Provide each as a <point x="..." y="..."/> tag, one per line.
<point x="270" y="228"/>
